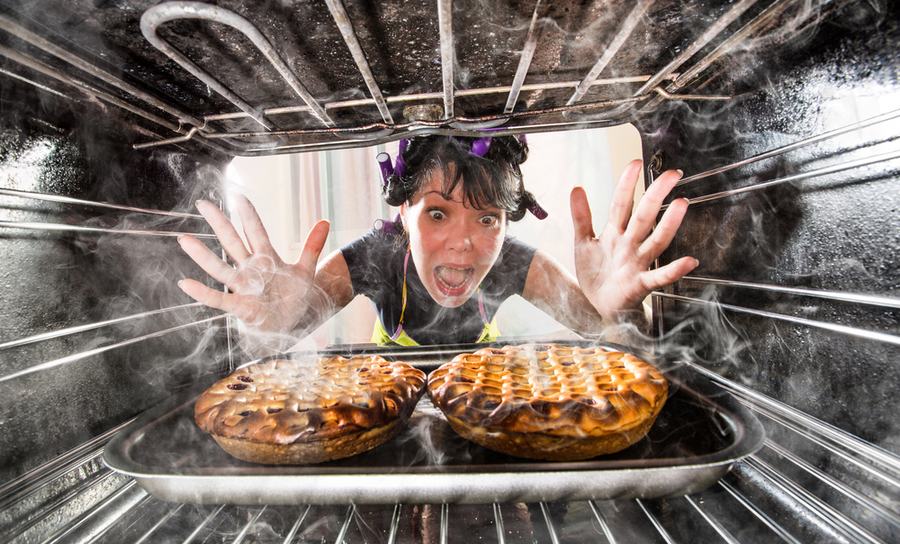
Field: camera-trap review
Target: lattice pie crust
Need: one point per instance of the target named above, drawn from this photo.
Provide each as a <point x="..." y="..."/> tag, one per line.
<point x="293" y="412"/>
<point x="549" y="402"/>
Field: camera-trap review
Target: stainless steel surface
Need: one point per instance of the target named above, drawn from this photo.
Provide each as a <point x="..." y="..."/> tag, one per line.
<point x="75" y="357"/>
<point x="859" y="163"/>
<point x="834" y="327"/>
<point x="804" y="142"/>
<point x="92" y="113"/>
<point x="475" y="49"/>
<point x="698" y="436"/>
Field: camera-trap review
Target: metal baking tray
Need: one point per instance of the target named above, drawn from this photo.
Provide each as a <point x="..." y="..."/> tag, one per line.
<point x="700" y="433"/>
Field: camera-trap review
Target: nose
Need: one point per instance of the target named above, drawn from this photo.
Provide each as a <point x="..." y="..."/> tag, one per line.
<point x="459" y="237"/>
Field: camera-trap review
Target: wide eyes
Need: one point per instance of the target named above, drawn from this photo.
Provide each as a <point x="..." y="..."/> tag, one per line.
<point x="488" y="220"/>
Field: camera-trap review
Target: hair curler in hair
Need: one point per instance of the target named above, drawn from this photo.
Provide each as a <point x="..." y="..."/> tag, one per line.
<point x="537" y="211"/>
<point x="400" y="164"/>
<point x="384" y="164"/>
<point x="531" y="204"/>
<point x="480" y="147"/>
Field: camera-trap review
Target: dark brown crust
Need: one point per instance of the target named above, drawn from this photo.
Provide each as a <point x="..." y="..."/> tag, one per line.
<point x="549" y="402"/>
<point x="302" y="453"/>
<point x="307" y="412"/>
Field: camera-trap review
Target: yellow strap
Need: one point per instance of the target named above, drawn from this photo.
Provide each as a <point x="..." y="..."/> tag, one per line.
<point x="403" y="307"/>
<point x="382" y="338"/>
<point x="490" y="333"/>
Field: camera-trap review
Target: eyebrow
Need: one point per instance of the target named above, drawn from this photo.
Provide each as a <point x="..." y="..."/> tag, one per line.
<point x="442" y="195"/>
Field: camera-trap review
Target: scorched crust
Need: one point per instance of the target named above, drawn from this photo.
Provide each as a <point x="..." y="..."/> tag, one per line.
<point x="549" y="402"/>
<point x="292" y="412"/>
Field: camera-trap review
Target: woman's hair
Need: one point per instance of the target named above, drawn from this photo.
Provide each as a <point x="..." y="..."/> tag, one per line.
<point x="488" y="169"/>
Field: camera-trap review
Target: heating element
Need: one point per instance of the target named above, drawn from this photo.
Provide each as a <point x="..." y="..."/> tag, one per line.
<point x="117" y="115"/>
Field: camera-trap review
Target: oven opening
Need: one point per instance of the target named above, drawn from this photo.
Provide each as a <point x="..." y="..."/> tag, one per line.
<point x="292" y="192"/>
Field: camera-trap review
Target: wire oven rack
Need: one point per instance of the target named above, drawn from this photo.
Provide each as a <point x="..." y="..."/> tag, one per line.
<point x="771" y="496"/>
<point x="718" y="40"/>
<point x="782" y="493"/>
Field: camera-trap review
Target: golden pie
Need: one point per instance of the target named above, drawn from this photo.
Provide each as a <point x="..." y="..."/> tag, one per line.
<point x="284" y="412"/>
<point x="549" y="402"/>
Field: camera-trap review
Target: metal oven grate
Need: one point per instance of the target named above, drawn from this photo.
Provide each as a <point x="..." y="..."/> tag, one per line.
<point x="811" y="482"/>
<point x="510" y="104"/>
<point x="784" y="492"/>
<point x="774" y="495"/>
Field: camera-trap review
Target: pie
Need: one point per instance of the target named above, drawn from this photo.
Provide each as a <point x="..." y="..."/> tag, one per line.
<point x="549" y="402"/>
<point x="287" y="412"/>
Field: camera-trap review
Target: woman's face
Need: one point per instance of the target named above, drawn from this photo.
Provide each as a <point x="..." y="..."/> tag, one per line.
<point x="452" y="244"/>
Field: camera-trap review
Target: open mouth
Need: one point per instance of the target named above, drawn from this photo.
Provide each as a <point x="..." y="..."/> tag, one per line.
<point x="453" y="280"/>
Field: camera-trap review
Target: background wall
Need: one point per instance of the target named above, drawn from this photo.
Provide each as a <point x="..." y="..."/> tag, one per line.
<point x="291" y="192"/>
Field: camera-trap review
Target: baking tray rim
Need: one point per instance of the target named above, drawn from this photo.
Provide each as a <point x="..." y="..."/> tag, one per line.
<point x="749" y="438"/>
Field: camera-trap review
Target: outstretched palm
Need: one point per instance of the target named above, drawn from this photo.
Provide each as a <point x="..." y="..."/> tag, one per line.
<point x="613" y="270"/>
<point x="264" y="292"/>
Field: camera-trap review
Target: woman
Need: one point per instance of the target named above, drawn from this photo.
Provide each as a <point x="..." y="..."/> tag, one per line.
<point x="439" y="273"/>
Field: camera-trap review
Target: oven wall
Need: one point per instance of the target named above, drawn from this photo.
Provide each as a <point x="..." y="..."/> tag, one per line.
<point x="834" y="233"/>
<point x="61" y="391"/>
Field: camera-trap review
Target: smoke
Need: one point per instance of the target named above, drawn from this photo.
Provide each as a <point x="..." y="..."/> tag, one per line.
<point x="703" y="334"/>
<point x="425" y="435"/>
<point x="136" y="263"/>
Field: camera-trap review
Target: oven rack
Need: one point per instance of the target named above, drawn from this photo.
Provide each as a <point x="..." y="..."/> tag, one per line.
<point x="212" y="129"/>
<point x="885" y="125"/>
<point x="774" y="495"/>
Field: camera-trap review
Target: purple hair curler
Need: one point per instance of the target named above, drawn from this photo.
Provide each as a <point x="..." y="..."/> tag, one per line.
<point x="480" y="147"/>
<point x="384" y="163"/>
<point x="537" y="211"/>
<point x="389" y="227"/>
<point x="399" y="164"/>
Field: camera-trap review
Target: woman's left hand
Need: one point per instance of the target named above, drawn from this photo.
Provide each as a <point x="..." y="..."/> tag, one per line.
<point x="614" y="269"/>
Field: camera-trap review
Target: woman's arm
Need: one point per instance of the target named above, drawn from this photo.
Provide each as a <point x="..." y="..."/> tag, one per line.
<point x="554" y="290"/>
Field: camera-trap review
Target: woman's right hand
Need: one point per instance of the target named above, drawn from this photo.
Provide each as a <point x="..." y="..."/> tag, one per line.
<point x="614" y="270"/>
<point x="265" y="293"/>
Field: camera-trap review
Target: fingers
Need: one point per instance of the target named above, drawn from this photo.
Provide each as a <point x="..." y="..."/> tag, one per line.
<point x="665" y="275"/>
<point x="225" y="231"/>
<point x="648" y="210"/>
<point x="665" y="231"/>
<point x="219" y="300"/>
<point x="312" y="247"/>
<point x="623" y="196"/>
<point x="581" y="214"/>
<point x="257" y="236"/>
<point x="206" y="259"/>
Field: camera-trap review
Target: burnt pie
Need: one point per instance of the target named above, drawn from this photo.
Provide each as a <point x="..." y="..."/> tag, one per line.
<point x="549" y="402"/>
<point x="286" y="412"/>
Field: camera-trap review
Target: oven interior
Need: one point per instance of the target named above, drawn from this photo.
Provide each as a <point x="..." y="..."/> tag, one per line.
<point x="118" y="114"/>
